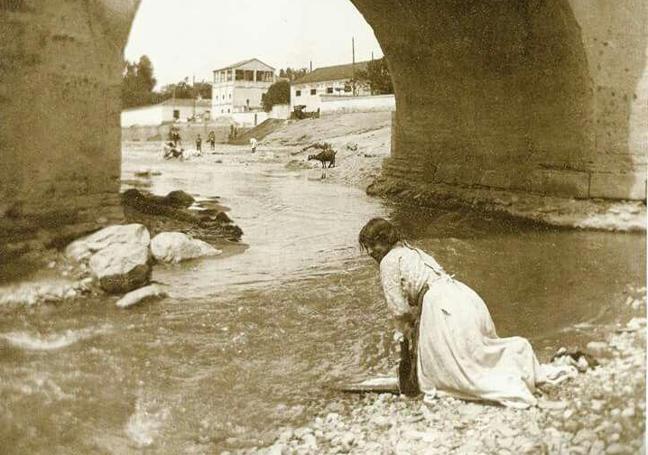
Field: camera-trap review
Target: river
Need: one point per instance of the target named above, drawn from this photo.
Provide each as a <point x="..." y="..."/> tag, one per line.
<point x="252" y="340"/>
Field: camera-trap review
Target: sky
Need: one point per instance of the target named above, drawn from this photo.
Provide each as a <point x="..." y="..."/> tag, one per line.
<point x="187" y="38"/>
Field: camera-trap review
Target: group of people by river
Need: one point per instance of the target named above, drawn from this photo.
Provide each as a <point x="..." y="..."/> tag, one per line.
<point x="173" y="146"/>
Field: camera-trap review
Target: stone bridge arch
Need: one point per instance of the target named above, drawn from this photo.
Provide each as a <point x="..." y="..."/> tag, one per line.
<point x="544" y="96"/>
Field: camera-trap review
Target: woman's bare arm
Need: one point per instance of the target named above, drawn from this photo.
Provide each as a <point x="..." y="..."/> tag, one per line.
<point x="405" y="324"/>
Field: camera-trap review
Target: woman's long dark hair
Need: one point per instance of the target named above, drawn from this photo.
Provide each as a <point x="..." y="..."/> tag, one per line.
<point x="378" y="230"/>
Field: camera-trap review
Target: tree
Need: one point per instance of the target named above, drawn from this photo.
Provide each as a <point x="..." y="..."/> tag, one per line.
<point x="145" y="74"/>
<point x="377" y="76"/>
<point x="292" y="74"/>
<point x="204" y="89"/>
<point x="138" y="83"/>
<point x="180" y="90"/>
<point x="278" y="93"/>
<point x="184" y="90"/>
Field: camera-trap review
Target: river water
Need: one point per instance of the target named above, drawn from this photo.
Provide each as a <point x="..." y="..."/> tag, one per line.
<point x="252" y="340"/>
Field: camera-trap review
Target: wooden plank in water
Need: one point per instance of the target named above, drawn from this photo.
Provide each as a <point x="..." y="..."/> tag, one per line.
<point x="384" y="384"/>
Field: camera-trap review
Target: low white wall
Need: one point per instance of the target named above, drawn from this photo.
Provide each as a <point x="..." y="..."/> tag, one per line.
<point x="249" y="118"/>
<point x="157" y="114"/>
<point x="357" y="103"/>
<point x="280" y="111"/>
<point x="145" y="116"/>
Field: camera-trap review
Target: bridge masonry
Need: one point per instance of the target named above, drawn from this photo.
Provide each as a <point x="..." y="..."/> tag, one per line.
<point x="538" y="96"/>
<point x="545" y="97"/>
<point x="60" y="87"/>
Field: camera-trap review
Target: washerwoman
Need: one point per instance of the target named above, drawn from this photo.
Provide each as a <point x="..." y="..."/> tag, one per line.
<point x="450" y="346"/>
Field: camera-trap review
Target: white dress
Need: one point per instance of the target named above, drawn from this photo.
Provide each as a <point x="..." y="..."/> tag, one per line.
<point x="459" y="352"/>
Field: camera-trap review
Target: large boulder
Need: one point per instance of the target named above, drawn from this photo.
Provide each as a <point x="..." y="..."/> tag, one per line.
<point x="110" y="237"/>
<point x="122" y="267"/>
<point x="176" y="247"/>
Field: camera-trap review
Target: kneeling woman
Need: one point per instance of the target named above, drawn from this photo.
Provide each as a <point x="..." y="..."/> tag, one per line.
<point x="449" y="329"/>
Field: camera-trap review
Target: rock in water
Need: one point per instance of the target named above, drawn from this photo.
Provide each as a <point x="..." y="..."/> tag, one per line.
<point x="121" y="268"/>
<point x="131" y="234"/>
<point x="176" y="247"/>
<point x="140" y="295"/>
<point x="179" y="199"/>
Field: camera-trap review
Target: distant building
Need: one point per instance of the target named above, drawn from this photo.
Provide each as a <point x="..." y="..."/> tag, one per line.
<point x="166" y="111"/>
<point x="335" y="80"/>
<point x="238" y="88"/>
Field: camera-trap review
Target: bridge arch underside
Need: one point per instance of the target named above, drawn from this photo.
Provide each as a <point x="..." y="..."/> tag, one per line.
<point x="542" y="96"/>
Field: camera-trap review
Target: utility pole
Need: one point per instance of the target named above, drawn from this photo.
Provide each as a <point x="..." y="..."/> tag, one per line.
<point x="193" y="89"/>
<point x="173" y="100"/>
<point x="353" y="63"/>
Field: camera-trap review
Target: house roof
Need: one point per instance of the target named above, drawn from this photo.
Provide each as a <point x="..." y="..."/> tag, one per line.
<point x="332" y="73"/>
<point x="243" y="62"/>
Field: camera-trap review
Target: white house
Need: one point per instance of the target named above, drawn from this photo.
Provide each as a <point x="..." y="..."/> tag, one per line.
<point x="239" y="87"/>
<point x="166" y="111"/>
<point x="335" y="80"/>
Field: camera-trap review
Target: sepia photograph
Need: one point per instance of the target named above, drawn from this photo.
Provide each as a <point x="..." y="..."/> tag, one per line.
<point x="283" y="227"/>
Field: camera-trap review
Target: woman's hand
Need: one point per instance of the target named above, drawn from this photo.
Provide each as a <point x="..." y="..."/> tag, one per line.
<point x="409" y="332"/>
<point x="405" y="325"/>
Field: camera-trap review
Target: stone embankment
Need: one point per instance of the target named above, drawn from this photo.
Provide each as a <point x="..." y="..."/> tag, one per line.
<point x="601" y="411"/>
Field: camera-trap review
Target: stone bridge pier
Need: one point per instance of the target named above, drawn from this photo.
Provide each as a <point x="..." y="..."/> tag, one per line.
<point x="540" y="96"/>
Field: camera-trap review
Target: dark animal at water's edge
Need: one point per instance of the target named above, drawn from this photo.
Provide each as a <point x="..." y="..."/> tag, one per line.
<point x="324" y="157"/>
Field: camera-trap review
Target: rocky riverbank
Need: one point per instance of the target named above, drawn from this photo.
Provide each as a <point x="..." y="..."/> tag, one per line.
<point x="363" y="140"/>
<point x="118" y="259"/>
<point x="595" y="214"/>
<point x="601" y="411"/>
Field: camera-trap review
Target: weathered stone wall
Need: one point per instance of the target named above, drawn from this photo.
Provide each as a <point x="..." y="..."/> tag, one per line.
<point x="615" y="38"/>
<point x="544" y="96"/>
<point x="60" y="74"/>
